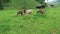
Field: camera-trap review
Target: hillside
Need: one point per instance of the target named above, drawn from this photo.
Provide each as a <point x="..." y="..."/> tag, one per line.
<point x="27" y="3"/>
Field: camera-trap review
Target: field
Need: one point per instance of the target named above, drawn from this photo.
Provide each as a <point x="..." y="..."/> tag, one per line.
<point x="48" y="23"/>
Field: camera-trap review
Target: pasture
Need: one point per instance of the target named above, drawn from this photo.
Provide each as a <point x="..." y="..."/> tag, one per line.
<point x="31" y="24"/>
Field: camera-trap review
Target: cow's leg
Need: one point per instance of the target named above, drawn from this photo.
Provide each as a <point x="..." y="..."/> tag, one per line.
<point x="21" y="13"/>
<point x="17" y="14"/>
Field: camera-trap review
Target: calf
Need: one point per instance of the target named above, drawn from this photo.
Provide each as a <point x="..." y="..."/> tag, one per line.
<point x="41" y="10"/>
<point x="28" y="11"/>
<point x="22" y="11"/>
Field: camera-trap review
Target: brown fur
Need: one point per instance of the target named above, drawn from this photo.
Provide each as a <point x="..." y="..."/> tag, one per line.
<point x="22" y="11"/>
<point x="42" y="11"/>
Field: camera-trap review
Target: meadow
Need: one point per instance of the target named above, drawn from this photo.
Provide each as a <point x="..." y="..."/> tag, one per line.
<point x="47" y="23"/>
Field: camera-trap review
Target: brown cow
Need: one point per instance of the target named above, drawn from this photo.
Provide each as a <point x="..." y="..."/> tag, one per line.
<point x="28" y="11"/>
<point x="41" y="10"/>
<point x="22" y="11"/>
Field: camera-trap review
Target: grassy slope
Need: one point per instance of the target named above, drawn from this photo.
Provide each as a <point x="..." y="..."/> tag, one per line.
<point x="32" y="24"/>
<point x="22" y="3"/>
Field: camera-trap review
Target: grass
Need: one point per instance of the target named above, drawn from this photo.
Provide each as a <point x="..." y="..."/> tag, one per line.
<point x="31" y="24"/>
<point x="22" y="3"/>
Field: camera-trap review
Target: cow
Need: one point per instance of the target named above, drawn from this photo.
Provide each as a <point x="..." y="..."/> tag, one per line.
<point x="28" y="11"/>
<point x="22" y="11"/>
<point x="41" y="9"/>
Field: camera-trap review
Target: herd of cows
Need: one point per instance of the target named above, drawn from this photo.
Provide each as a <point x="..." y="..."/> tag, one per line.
<point x="41" y="10"/>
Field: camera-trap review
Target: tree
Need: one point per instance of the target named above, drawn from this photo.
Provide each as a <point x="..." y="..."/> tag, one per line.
<point x="4" y="3"/>
<point x="1" y="7"/>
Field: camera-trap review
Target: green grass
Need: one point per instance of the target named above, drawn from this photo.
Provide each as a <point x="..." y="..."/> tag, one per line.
<point x="22" y="3"/>
<point x="18" y="4"/>
<point x="31" y="24"/>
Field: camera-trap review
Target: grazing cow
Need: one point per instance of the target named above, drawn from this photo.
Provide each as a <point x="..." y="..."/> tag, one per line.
<point x="22" y="11"/>
<point x="41" y="10"/>
<point x="28" y="11"/>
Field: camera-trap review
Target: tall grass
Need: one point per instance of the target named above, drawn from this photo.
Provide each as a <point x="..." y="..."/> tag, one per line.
<point x="31" y="24"/>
